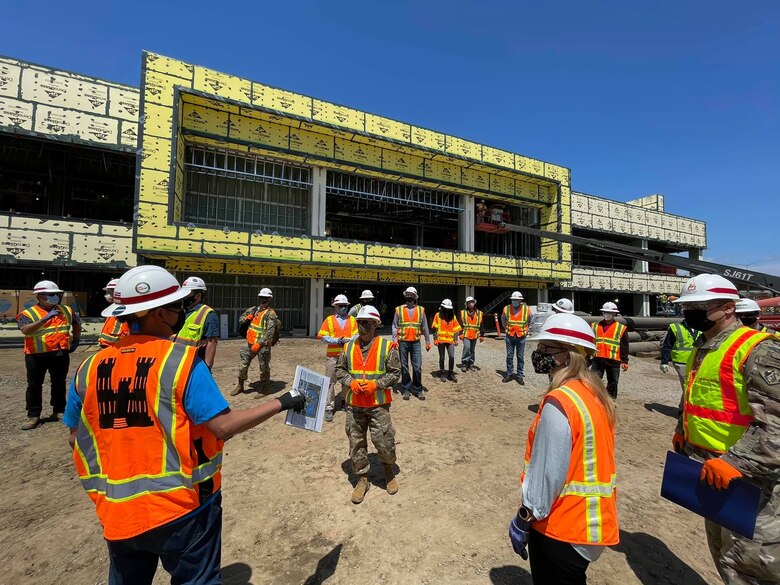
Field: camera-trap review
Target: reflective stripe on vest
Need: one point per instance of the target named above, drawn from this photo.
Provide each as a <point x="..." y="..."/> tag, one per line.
<point x="683" y="343"/>
<point x="192" y="331"/>
<point x="608" y="340"/>
<point x="113" y="330"/>
<point x="54" y="335"/>
<point x="517" y="322"/>
<point x="445" y="330"/>
<point x="332" y="328"/>
<point x="257" y="327"/>
<point x="410" y="328"/>
<point x="716" y="411"/>
<point x="471" y="326"/>
<point x="372" y="368"/>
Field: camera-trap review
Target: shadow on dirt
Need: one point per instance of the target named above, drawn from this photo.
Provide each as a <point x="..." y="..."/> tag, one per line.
<point x="509" y="575"/>
<point x="652" y="561"/>
<point x="326" y="567"/>
<point x="664" y="409"/>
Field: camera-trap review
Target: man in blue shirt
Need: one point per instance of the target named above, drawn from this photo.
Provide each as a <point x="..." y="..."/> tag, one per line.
<point x="201" y="322"/>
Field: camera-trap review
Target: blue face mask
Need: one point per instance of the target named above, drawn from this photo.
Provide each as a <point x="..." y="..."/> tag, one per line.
<point x="342" y="310"/>
<point x="515" y="304"/>
<point x="53" y="299"/>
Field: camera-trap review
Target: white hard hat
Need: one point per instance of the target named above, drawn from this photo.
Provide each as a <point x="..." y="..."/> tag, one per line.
<point x="411" y="291"/>
<point x="516" y="296"/>
<point x="446" y="304"/>
<point x="569" y="329"/>
<point x="143" y="288"/>
<point x="366" y="294"/>
<point x="747" y="306"/>
<point x="563" y="306"/>
<point x="111" y="284"/>
<point x="707" y="287"/>
<point x="368" y="312"/>
<point x="609" y="307"/>
<point x="471" y="300"/>
<point x="194" y="283"/>
<point x="265" y="292"/>
<point x="340" y="300"/>
<point x="46" y="287"/>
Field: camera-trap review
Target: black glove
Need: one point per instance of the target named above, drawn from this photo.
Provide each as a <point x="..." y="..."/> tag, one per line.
<point x="291" y="401"/>
<point x="74" y="345"/>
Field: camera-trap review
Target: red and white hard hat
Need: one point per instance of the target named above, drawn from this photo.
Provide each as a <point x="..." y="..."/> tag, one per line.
<point x="143" y="288"/>
<point x="563" y="306"/>
<point x="194" y="283"/>
<point x="368" y="312"/>
<point x="569" y="329"/>
<point x="411" y="291"/>
<point x="707" y="287"/>
<point x="111" y="284"/>
<point x="46" y="287"/>
<point x="747" y="306"/>
<point x="340" y="300"/>
<point x="265" y="292"/>
<point x="516" y="296"/>
<point x="366" y="294"/>
<point x="609" y="307"/>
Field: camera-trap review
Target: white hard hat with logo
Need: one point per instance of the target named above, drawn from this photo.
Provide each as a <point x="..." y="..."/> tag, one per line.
<point x="446" y="304"/>
<point x="111" y="284"/>
<point x="265" y="292"/>
<point x="368" y="312"/>
<point x="366" y="294"/>
<point x="340" y="300"/>
<point x="569" y="329"/>
<point x="707" y="287"/>
<point x="194" y="283"/>
<point x="45" y="287"/>
<point x="143" y="288"/>
<point x="411" y="291"/>
<point x="563" y="306"/>
<point x="471" y="300"/>
<point x="516" y="296"/>
<point x="609" y="307"/>
<point x="747" y="306"/>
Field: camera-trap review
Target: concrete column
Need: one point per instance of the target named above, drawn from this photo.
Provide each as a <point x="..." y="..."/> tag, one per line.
<point x="317" y="201"/>
<point x="543" y="295"/>
<point x="694" y="253"/>
<point x="316" y="305"/>
<point x="645" y="310"/>
<point x="641" y="265"/>
<point x="466" y="224"/>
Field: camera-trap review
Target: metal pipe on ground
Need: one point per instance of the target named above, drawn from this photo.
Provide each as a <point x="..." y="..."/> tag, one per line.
<point x="641" y="323"/>
<point x="644" y="347"/>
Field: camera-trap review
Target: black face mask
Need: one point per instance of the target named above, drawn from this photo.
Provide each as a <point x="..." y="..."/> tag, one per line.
<point x="176" y="327"/>
<point x="697" y="318"/>
<point x="190" y="301"/>
<point x="749" y="321"/>
<point x="544" y="363"/>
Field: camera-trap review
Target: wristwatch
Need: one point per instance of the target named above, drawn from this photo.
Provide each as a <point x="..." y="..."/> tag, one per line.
<point x="525" y="514"/>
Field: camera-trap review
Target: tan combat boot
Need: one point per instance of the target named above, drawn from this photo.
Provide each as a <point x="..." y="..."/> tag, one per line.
<point x="238" y="389"/>
<point x="390" y="481"/>
<point x="31" y="423"/>
<point x="360" y="489"/>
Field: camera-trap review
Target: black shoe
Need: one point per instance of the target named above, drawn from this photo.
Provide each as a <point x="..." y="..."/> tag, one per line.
<point x="406" y="395"/>
<point x="521" y="381"/>
<point x="443" y="377"/>
<point x="473" y="367"/>
<point x="452" y="376"/>
<point x="420" y="395"/>
<point x="507" y="378"/>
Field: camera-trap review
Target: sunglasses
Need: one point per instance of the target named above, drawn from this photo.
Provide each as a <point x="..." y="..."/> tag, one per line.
<point x="551" y="349"/>
<point x="707" y="306"/>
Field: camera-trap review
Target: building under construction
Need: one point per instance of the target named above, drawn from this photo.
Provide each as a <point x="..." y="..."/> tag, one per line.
<point x="248" y="185"/>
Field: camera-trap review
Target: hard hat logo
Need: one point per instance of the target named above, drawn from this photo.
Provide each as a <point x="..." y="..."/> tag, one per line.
<point x="142" y="288"/>
<point x="692" y="286"/>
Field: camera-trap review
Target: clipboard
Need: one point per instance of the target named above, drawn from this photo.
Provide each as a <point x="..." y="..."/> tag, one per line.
<point x="735" y="508"/>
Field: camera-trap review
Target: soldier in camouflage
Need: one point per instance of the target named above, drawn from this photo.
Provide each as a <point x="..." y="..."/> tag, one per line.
<point x="734" y="376"/>
<point x="262" y="334"/>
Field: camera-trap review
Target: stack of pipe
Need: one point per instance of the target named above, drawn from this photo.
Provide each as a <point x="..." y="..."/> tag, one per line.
<point x="645" y="334"/>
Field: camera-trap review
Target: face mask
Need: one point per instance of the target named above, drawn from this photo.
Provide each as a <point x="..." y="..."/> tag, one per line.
<point x="749" y="321"/>
<point x="470" y="306"/>
<point x="697" y="318"/>
<point x="410" y="300"/>
<point x="515" y="304"/>
<point x="543" y="363"/>
<point x="190" y="301"/>
<point x="342" y="310"/>
<point x="365" y="328"/>
<point x="53" y="299"/>
<point x="608" y="316"/>
<point x="176" y="327"/>
<point x="108" y="298"/>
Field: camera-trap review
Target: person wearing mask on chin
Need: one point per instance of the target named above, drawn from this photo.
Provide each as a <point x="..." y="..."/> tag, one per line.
<point x="141" y="398"/>
<point x="515" y="318"/>
<point x="113" y="329"/>
<point x="568" y="511"/>
<point x="201" y="323"/>
<point x="748" y="313"/>
<point x="261" y="325"/>
<point x="336" y="330"/>
<point x="731" y="421"/>
<point x="409" y="325"/>
<point x="48" y="343"/>
<point x="611" y="348"/>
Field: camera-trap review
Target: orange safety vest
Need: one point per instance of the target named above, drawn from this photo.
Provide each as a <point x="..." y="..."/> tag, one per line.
<point x="373" y="368"/>
<point x="257" y="327"/>
<point x="55" y="333"/>
<point x="410" y="329"/>
<point x="517" y="321"/>
<point x="332" y="328"/>
<point x="445" y="330"/>
<point x="471" y="326"/>
<point x="586" y="509"/>
<point x="113" y="330"/>
<point x="140" y="457"/>
<point x="608" y="340"/>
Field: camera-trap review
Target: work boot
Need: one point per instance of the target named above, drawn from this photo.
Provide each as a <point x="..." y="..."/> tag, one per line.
<point x="443" y="377"/>
<point x="452" y="376"/>
<point x="521" y="381"/>
<point x="407" y="395"/>
<point x="390" y="482"/>
<point x="360" y="489"/>
<point x="507" y="378"/>
<point x="238" y="389"/>
<point x="31" y="423"/>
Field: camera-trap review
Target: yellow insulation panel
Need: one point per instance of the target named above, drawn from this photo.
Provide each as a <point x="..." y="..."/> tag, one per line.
<point x="338" y="115"/>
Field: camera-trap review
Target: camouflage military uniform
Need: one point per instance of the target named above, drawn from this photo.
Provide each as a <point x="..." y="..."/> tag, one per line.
<point x="757" y="455"/>
<point x="375" y="420"/>
<point x="264" y="355"/>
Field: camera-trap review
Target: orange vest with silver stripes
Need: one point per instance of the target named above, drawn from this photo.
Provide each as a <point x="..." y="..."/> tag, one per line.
<point x="409" y="328"/>
<point x="517" y="320"/>
<point x="445" y="330"/>
<point x="332" y="328"/>
<point x="471" y="325"/>
<point x="608" y="339"/>
<point x="55" y="333"/>
<point x="113" y="330"/>
<point x="372" y="368"/>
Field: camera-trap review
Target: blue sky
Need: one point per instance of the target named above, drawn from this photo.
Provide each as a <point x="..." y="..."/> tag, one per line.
<point x="679" y="98"/>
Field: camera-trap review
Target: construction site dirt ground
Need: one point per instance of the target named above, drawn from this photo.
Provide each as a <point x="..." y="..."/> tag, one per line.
<point x="288" y="518"/>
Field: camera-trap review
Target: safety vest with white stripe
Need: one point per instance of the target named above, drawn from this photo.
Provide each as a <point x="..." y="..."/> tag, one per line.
<point x="517" y="320"/>
<point x="141" y="459"/>
<point x="192" y="331"/>
<point x="55" y="333"/>
<point x="585" y="512"/>
<point x="373" y="367"/>
<point x="332" y="328"/>
<point x="716" y="411"/>
<point x="409" y="326"/>
<point x="445" y="331"/>
<point x="471" y="324"/>
<point x="608" y="339"/>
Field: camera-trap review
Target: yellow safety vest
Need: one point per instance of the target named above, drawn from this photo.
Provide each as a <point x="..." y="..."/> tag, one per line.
<point x="192" y="331"/>
<point x="683" y="343"/>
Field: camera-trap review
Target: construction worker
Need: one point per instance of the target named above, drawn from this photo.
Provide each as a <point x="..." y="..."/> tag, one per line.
<point x="611" y="347"/>
<point x="515" y="318"/>
<point x="113" y="329"/>
<point x="261" y="335"/>
<point x="366" y="298"/>
<point x="201" y="324"/>
<point x="677" y="348"/>
<point x="336" y="331"/>
<point x="568" y="512"/>
<point x="748" y="312"/>
<point x="409" y="325"/>
<point x="731" y="421"/>
<point x="446" y="331"/>
<point x="563" y="305"/>
<point x="368" y="368"/>
<point x="47" y="328"/>
<point x="147" y="425"/>
<point x="473" y="328"/>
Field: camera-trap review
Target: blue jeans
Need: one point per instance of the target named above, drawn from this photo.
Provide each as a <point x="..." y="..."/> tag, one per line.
<point x="190" y="549"/>
<point x="515" y="345"/>
<point x="411" y="349"/>
<point x="469" y="352"/>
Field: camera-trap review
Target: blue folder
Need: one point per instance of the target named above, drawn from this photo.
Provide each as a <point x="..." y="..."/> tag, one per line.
<point x="735" y="508"/>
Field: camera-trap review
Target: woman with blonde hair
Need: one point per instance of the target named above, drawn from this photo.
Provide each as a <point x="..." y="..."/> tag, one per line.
<point x="568" y="513"/>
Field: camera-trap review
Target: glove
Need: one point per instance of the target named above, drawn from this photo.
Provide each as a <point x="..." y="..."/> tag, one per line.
<point x="368" y="386"/>
<point x="718" y="474"/>
<point x="665" y="368"/>
<point x="341" y="341"/>
<point x="435" y="342"/>
<point x="624" y="366"/>
<point x="393" y="345"/>
<point x="290" y="401"/>
<point x="678" y="443"/>
<point x="481" y="339"/>
<point x="355" y="386"/>
<point x="427" y="347"/>
<point x="53" y="313"/>
<point x="519" y="532"/>
<point x="74" y="345"/>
